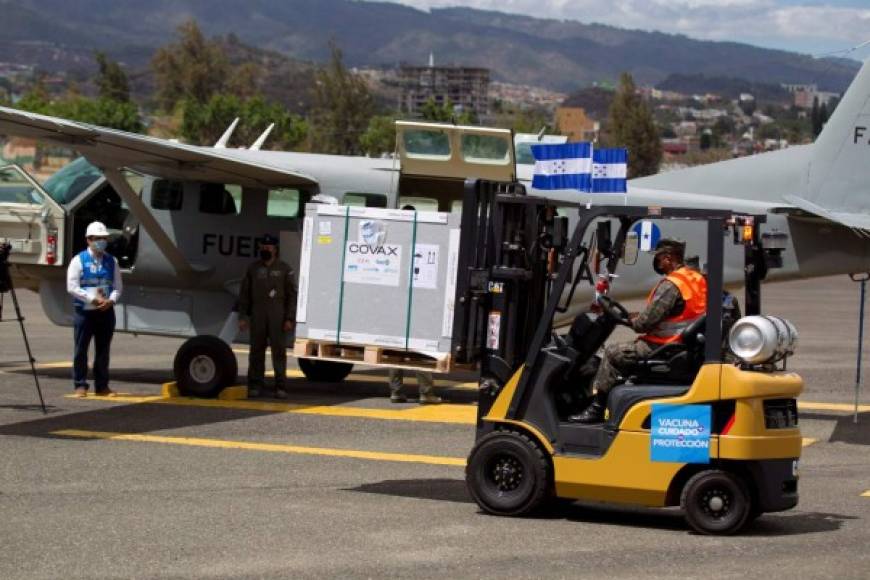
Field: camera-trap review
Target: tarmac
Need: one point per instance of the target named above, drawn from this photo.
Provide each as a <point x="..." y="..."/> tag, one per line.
<point x="339" y="482"/>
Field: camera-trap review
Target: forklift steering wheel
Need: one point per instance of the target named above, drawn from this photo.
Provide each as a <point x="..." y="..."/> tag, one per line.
<point x="613" y="309"/>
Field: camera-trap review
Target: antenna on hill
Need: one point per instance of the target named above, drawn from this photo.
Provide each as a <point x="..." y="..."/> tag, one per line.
<point x="225" y="138"/>
<point x="262" y="138"/>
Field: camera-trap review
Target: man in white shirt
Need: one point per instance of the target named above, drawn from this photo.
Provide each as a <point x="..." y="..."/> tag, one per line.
<point x="93" y="279"/>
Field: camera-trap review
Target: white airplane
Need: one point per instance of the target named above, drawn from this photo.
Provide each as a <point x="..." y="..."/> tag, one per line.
<point x="185" y="219"/>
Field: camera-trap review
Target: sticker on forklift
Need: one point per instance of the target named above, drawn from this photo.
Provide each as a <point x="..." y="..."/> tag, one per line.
<point x="493" y="330"/>
<point x="680" y="433"/>
<point x="324" y="240"/>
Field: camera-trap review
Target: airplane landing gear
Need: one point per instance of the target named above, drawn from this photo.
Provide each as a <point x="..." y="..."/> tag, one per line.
<point x="204" y="365"/>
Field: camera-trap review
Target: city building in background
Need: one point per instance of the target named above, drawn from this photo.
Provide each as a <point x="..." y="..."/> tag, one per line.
<point x="466" y="88"/>
<point x="576" y="124"/>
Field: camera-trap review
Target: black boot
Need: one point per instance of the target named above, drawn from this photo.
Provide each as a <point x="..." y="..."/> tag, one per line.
<point x="594" y="413"/>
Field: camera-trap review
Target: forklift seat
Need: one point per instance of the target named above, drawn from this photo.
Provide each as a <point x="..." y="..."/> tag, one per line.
<point x="676" y="362"/>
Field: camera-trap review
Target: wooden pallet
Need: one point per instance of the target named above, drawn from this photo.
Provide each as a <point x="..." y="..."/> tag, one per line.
<point x="370" y="355"/>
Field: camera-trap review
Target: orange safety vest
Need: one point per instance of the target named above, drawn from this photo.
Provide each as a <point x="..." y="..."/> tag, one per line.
<point x="693" y="288"/>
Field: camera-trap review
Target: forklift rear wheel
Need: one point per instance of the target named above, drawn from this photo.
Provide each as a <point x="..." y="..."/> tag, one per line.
<point x="322" y="371"/>
<point x="716" y="502"/>
<point x="203" y="366"/>
<point x="508" y="474"/>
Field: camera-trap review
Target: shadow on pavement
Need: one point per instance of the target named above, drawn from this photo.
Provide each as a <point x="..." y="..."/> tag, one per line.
<point x="36" y="407"/>
<point x="137" y="418"/>
<point x="846" y="431"/>
<point x="452" y="490"/>
<point x="796" y="523"/>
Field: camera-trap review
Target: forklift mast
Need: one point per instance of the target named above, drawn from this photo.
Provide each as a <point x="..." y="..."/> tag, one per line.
<point x="509" y="249"/>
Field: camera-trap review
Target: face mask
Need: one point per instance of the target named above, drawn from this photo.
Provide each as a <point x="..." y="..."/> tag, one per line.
<point x="99" y="245"/>
<point x="265" y="255"/>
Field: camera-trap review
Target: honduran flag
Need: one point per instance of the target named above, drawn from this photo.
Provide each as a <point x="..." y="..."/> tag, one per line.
<point x="609" y="170"/>
<point x="563" y="166"/>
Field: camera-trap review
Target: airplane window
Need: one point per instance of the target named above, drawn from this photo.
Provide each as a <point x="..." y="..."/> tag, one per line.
<point x="220" y="199"/>
<point x="426" y="144"/>
<point x="365" y="199"/>
<point x="71" y="180"/>
<point x="14" y="188"/>
<point x="524" y="153"/>
<point x="167" y="194"/>
<point x="283" y="203"/>
<point x="485" y="149"/>
<point x="418" y="203"/>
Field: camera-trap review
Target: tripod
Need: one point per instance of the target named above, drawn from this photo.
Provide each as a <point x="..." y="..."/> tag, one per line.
<point x="7" y="286"/>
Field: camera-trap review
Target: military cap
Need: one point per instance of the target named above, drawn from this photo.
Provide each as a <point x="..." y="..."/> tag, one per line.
<point x="669" y="246"/>
<point x="268" y="240"/>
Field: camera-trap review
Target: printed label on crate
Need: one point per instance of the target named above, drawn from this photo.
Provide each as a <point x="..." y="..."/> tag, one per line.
<point x="680" y="433"/>
<point x="426" y="266"/>
<point x="371" y="264"/>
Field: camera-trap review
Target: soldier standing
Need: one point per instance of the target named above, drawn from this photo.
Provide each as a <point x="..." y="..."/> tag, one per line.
<point x="267" y="305"/>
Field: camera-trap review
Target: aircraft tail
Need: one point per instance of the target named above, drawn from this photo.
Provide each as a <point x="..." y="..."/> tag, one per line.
<point x="837" y="184"/>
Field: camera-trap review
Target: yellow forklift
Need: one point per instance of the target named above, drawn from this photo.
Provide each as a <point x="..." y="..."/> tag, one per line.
<point x="708" y="423"/>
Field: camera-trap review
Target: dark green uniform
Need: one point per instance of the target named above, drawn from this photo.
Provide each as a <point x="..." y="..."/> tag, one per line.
<point x="267" y="300"/>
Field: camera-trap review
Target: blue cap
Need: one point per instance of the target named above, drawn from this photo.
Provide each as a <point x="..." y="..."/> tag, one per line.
<point x="268" y="239"/>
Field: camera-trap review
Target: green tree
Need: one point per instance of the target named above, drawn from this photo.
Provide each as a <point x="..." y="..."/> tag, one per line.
<point x="631" y="125"/>
<point x="192" y="68"/>
<point x="379" y="137"/>
<point x="101" y="111"/>
<point x="111" y="80"/>
<point x="446" y="113"/>
<point x="204" y="123"/>
<point x="343" y="106"/>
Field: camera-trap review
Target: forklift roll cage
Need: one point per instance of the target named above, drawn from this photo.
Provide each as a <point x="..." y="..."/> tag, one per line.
<point x="507" y="270"/>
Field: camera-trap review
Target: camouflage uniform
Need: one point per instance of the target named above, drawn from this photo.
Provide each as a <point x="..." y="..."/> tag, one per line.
<point x="267" y="299"/>
<point x="424" y="381"/>
<point x="619" y="358"/>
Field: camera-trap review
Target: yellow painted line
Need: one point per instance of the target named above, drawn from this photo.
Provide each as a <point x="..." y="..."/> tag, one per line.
<point x="65" y="364"/>
<point x="807" y="441"/>
<point x="845" y="407"/>
<point x="866" y="493"/>
<point x="444" y="413"/>
<point x="269" y="447"/>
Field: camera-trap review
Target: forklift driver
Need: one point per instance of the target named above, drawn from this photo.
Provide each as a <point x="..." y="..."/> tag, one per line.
<point x="679" y="299"/>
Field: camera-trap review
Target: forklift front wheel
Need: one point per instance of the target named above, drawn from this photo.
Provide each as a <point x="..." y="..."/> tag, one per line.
<point x="716" y="502"/>
<point x="508" y="474"/>
<point x="324" y="371"/>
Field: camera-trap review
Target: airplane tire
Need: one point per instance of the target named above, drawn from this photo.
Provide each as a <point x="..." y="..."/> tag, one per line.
<point x="203" y="366"/>
<point x="324" y="371"/>
<point x="508" y="474"/>
<point x="716" y="502"/>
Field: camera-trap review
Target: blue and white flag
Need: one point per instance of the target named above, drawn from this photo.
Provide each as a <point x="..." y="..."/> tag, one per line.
<point x="564" y="166"/>
<point x="609" y="170"/>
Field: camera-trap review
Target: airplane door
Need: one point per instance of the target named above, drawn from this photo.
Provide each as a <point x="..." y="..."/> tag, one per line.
<point x="30" y="220"/>
<point x="455" y="151"/>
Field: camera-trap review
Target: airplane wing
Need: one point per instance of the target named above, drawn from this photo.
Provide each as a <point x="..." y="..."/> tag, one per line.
<point x="113" y="149"/>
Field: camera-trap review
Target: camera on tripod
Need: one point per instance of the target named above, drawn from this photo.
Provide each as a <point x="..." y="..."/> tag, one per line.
<point x="5" y="277"/>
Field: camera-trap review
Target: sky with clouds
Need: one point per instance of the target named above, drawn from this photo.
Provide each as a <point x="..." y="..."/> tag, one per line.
<point x="808" y="26"/>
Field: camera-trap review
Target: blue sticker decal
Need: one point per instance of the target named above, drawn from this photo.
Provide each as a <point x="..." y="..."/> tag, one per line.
<point x="648" y="235"/>
<point x="680" y="433"/>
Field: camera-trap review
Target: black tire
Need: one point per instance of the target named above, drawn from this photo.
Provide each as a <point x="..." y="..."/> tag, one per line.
<point x="203" y="366"/>
<point x="716" y="502"/>
<point x="324" y="371"/>
<point x="508" y="474"/>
